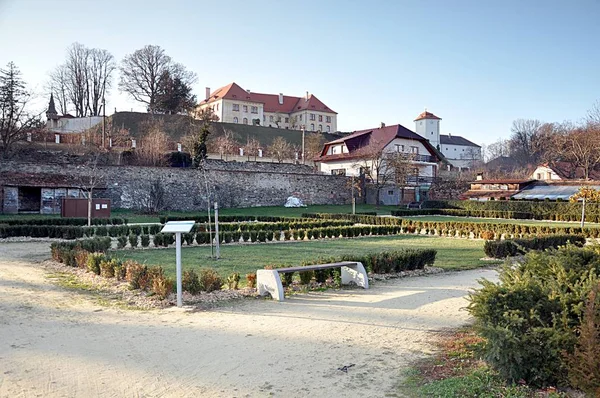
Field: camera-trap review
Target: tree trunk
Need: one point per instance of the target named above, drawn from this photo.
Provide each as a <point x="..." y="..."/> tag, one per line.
<point x="90" y="208"/>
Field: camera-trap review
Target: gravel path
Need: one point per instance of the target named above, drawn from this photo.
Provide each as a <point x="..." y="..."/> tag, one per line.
<point x="57" y="343"/>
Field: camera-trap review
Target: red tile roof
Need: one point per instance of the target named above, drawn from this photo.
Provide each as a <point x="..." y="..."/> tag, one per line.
<point x="269" y="101"/>
<point x="375" y="140"/>
<point x="427" y="115"/>
<point x="503" y="181"/>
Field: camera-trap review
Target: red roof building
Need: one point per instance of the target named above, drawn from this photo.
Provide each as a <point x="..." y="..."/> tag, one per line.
<point x="233" y="104"/>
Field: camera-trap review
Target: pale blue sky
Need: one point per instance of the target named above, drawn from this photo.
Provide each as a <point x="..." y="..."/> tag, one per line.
<point x="477" y="64"/>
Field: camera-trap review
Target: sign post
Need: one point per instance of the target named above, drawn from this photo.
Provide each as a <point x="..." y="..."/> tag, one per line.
<point x="178" y="227"/>
<point x="217" y="239"/>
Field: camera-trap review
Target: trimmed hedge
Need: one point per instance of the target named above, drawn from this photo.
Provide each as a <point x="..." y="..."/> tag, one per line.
<point x="465" y="213"/>
<point x="539" y="210"/>
<point x="41" y="231"/>
<point x="506" y="248"/>
<point x="200" y="218"/>
<point x="65" y="251"/>
<point x="64" y="221"/>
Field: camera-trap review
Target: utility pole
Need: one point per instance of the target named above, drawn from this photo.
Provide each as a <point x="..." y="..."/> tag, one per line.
<point x="103" y="119"/>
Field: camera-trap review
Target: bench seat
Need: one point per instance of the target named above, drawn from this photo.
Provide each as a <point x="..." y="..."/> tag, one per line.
<point x="268" y="281"/>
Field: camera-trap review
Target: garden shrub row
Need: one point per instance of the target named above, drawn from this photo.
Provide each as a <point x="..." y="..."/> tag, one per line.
<point x="466" y="213"/>
<point x="273" y="226"/>
<point x="91" y="255"/>
<point x="541" y="319"/>
<point x="64" y="221"/>
<point x="489" y="230"/>
<point x="539" y="210"/>
<point x="512" y="247"/>
<point x="200" y="218"/>
<point x="378" y="263"/>
<point x="41" y="231"/>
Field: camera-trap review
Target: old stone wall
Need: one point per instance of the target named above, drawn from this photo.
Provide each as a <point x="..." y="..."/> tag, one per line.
<point x="241" y="185"/>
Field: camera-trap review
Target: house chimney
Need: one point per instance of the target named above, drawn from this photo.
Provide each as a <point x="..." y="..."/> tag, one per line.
<point x="248" y="91"/>
<point x="382" y="125"/>
<point x="479" y="176"/>
<point x="207" y="93"/>
<point x="449" y="135"/>
<point x="306" y="97"/>
<point x="280" y="98"/>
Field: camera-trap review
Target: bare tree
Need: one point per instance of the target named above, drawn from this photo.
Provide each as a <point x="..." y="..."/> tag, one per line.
<point x="581" y="148"/>
<point x="90" y="178"/>
<point x="15" y="121"/>
<point x="225" y="145"/>
<point x="151" y="150"/>
<point x="280" y="149"/>
<point x="58" y="86"/>
<point x="383" y="168"/>
<point x="252" y="146"/>
<point x="313" y="145"/>
<point x="82" y="80"/>
<point x="525" y="133"/>
<point x="593" y="114"/>
<point x="141" y="74"/>
<point x="497" y="149"/>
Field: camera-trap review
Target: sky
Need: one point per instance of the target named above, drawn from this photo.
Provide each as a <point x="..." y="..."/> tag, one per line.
<point x="478" y="65"/>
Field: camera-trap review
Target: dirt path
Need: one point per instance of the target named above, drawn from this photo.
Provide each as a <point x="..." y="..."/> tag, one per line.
<point x="56" y="343"/>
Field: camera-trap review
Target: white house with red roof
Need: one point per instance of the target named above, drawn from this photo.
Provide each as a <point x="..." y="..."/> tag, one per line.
<point x="233" y="104"/>
<point x="459" y="151"/>
<point x="362" y="152"/>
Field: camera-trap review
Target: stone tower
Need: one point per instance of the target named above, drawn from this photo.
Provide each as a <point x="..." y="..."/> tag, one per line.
<point x="51" y="113"/>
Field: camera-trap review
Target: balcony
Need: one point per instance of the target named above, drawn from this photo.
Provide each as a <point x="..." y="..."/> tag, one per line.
<point x="424" y="158"/>
<point x="414" y="157"/>
<point x="420" y="180"/>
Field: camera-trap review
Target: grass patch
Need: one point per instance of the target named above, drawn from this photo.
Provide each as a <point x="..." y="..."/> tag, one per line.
<point x="456" y="372"/>
<point x="452" y="254"/>
<point x="101" y="297"/>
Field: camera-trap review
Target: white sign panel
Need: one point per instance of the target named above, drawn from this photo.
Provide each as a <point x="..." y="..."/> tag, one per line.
<point x="178" y="226"/>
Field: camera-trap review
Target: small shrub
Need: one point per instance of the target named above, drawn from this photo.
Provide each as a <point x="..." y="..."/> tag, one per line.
<point x="162" y="286"/>
<point x="188" y="238"/>
<point x="93" y="262"/>
<point x="133" y="240"/>
<point x="136" y="275"/>
<point x="210" y="280"/>
<point x="81" y="257"/>
<point x="145" y="240"/>
<point x="121" y="242"/>
<point x="306" y="277"/>
<point x="158" y="240"/>
<point x="190" y="282"/>
<point x="251" y="280"/>
<point x="288" y="278"/>
<point x="487" y="235"/>
<point x="233" y="281"/>
<point x="107" y="268"/>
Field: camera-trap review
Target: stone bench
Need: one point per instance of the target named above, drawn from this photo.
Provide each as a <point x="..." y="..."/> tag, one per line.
<point x="269" y="280"/>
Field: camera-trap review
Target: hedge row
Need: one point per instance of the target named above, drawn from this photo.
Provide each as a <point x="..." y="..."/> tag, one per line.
<point x="466" y="229"/>
<point x="41" y="231"/>
<point x="64" y="221"/>
<point x="506" y="248"/>
<point x="199" y="218"/>
<point x="468" y="213"/>
<point x="378" y="263"/>
<point x="540" y="210"/>
<point x="64" y="251"/>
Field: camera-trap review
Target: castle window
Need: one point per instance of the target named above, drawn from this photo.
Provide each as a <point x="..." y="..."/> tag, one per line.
<point x="432" y="133"/>
<point x="312" y="116"/>
<point x="236" y="107"/>
<point x="287" y="119"/>
<point x="328" y="119"/>
<point x="235" y="119"/>
<point x="328" y="129"/>
<point x="245" y="120"/>
<point x="254" y="109"/>
<point x="320" y="118"/>
<point x="245" y="108"/>
<point x="391" y="192"/>
<point x="271" y="118"/>
<point x="338" y="172"/>
<point x="320" y="127"/>
<point x="399" y="148"/>
<point x="312" y="127"/>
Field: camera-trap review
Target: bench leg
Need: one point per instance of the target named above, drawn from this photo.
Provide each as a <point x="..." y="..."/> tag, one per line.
<point x="269" y="281"/>
<point x="356" y="274"/>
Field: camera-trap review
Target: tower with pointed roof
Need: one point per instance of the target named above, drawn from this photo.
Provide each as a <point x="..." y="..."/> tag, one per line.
<point x="427" y="125"/>
<point x="51" y="113"/>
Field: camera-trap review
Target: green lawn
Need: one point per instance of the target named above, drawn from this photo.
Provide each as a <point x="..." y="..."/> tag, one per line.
<point x="502" y="221"/>
<point x="453" y="254"/>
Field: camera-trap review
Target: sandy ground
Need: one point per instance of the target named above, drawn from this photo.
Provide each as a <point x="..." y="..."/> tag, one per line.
<point x="57" y="343"/>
